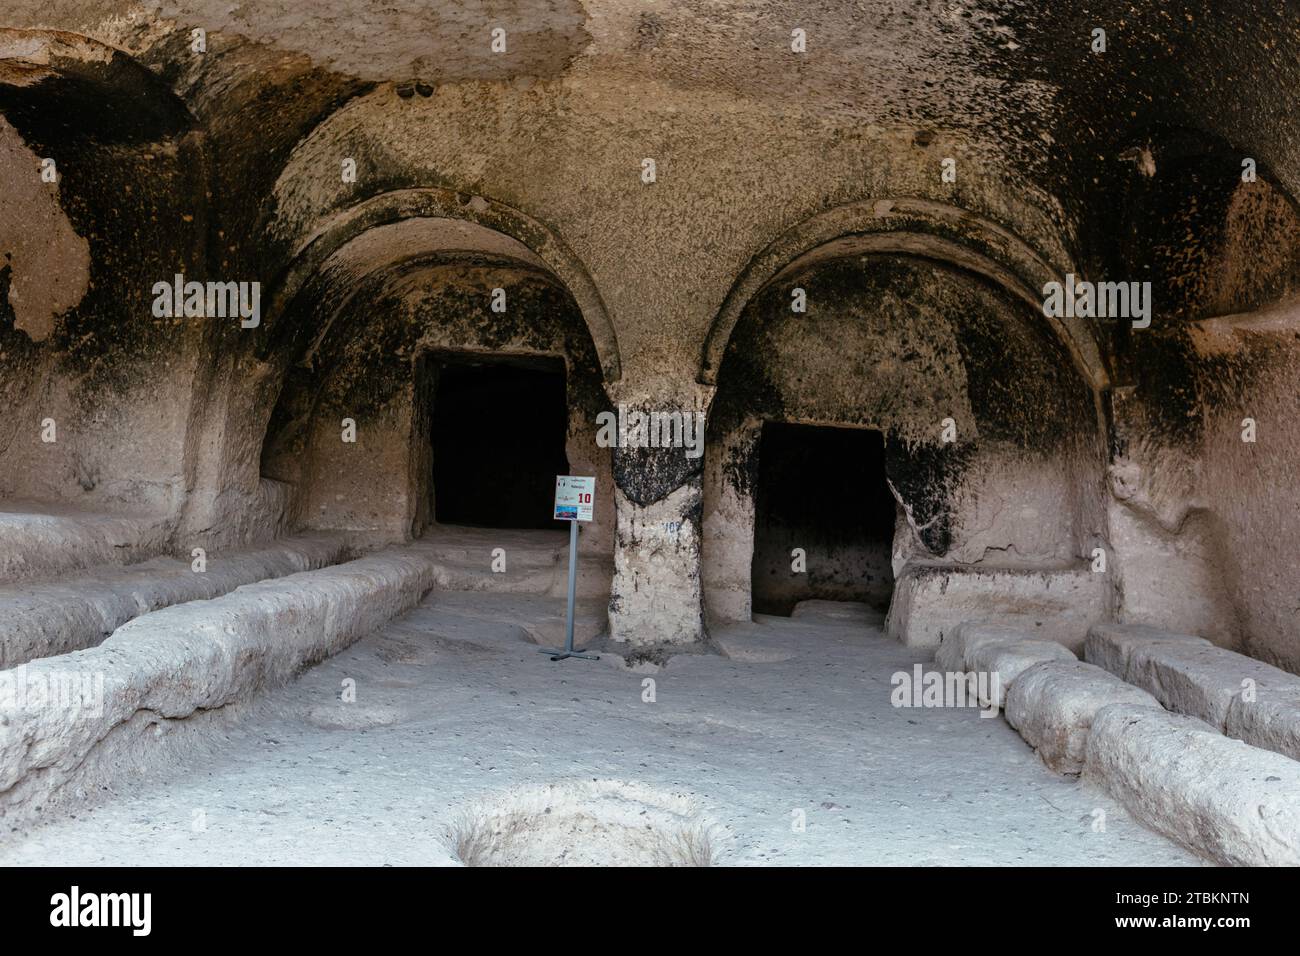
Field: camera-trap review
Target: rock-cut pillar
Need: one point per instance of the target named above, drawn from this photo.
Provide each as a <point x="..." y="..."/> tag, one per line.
<point x="657" y="596"/>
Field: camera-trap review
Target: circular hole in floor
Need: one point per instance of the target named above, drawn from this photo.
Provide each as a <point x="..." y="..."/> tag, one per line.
<point x="595" y="823"/>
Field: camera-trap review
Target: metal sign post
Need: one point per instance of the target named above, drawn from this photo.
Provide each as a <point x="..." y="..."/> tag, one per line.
<point x="574" y="500"/>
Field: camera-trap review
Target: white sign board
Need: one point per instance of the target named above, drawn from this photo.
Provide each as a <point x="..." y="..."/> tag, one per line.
<point x="574" y="498"/>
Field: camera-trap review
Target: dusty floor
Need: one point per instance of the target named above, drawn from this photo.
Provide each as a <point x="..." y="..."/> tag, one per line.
<point x="456" y="709"/>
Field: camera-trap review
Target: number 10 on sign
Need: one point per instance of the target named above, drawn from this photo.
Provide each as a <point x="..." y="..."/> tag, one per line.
<point x="574" y="498"/>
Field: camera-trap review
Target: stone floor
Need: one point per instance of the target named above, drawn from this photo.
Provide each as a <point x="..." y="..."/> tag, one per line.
<point x="458" y="718"/>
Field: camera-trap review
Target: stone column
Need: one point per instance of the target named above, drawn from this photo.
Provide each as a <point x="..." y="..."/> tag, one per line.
<point x="657" y="596"/>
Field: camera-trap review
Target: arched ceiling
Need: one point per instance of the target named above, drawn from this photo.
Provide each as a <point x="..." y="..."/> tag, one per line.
<point x="1016" y="73"/>
<point x="1050" y="136"/>
<point x="408" y="224"/>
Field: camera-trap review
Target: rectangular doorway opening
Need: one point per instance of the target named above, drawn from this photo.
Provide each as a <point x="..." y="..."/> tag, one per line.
<point x="498" y="433"/>
<point x="821" y="490"/>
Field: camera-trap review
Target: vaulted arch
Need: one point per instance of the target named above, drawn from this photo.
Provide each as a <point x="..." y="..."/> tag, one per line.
<point x="915" y="227"/>
<point x="48" y="75"/>
<point x="446" y="221"/>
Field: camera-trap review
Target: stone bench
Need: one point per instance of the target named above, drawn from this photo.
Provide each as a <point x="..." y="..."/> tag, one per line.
<point x="980" y="647"/>
<point x="1241" y="696"/>
<point x="1111" y="646"/>
<point x="69" y="723"/>
<point x="45" y="541"/>
<point x="1009" y="662"/>
<point x="967" y="637"/>
<point x="932" y="598"/>
<point x="1234" y="803"/>
<point x="41" y="620"/>
<point x="1053" y="703"/>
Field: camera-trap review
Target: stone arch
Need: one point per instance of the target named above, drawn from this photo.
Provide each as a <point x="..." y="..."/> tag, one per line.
<point x="1032" y="435"/>
<point x="447" y="213"/>
<point x="914" y="227"/>
<point x="46" y="75"/>
<point x="358" y="335"/>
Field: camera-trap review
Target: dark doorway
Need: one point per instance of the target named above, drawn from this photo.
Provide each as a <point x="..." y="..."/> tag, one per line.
<point x="822" y="490"/>
<point x="499" y="427"/>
